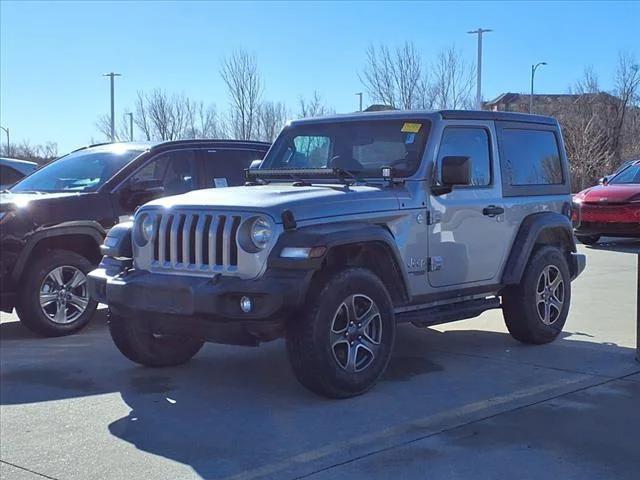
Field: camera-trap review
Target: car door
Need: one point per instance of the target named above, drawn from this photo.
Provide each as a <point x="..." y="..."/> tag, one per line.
<point x="467" y="232"/>
<point x="224" y="167"/>
<point x="168" y="173"/>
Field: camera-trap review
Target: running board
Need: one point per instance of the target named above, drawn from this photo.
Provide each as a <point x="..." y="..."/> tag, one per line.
<point x="451" y="312"/>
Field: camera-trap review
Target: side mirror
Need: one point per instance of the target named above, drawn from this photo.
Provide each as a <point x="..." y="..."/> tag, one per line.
<point x="604" y="180"/>
<point x="454" y="171"/>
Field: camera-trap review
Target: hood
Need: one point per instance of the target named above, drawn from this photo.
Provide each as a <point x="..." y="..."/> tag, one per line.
<point x="609" y="193"/>
<point x="305" y="202"/>
<point x="14" y="201"/>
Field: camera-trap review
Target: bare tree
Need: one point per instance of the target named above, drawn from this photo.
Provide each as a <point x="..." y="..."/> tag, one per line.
<point x="589" y="83"/>
<point x="627" y="89"/>
<point x="240" y="74"/>
<point x="40" y="153"/>
<point x="313" y="107"/>
<point x="202" y="122"/>
<point x="272" y="117"/>
<point x="395" y="78"/>
<point x="452" y="80"/>
<point x="123" y="134"/>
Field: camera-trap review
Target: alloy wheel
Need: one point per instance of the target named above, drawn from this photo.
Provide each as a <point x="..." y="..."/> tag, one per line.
<point x="356" y="333"/>
<point x="63" y="295"/>
<point x="550" y="295"/>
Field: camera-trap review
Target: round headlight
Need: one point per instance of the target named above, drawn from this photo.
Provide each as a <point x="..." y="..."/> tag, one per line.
<point x="144" y="229"/>
<point x="261" y="232"/>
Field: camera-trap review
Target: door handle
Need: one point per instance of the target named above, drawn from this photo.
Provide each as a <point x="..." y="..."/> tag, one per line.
<point x="492" y="211"/>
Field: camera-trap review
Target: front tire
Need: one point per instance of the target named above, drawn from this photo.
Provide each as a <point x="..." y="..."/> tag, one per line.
<point x="536" y="310"/>
<point x="342" y="344"/>
<point x="55" y="300"/>
<point x="144" y="347"/>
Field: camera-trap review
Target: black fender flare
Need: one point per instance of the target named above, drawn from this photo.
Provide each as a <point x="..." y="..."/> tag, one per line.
<point x="531" y="229"/>
<point x="90" y="229"/>
<point x="331" y="236"/>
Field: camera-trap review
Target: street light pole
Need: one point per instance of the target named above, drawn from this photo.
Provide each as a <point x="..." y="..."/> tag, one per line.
<point x="113" y="108"/>
<point x="130" y="126"/>
<point x="479" y="32"/>
<point x="533" y="74"/>
<point x="359" y="94"/>
<point x="6" y="130"/>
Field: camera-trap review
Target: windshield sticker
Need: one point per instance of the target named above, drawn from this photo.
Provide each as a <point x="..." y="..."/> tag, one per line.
<point x="410" y="138"/>
<point x="411" y="127"/>
<point x="220" y="182"/>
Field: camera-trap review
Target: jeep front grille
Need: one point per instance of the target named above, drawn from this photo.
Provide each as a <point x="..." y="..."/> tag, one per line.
<point x="196" y="241"/>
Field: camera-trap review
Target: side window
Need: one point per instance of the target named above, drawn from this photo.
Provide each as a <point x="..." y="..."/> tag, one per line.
<point x="532" y="157"/>
<point x="175" y="171"/>
<point x="8" y="175"/>
<point x="472" y="142"/>
<point x="226" y="167"/>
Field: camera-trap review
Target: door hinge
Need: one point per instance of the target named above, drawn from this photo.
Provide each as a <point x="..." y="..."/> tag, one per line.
<point x="434" y="264"/>
<point x="433" y="217"/>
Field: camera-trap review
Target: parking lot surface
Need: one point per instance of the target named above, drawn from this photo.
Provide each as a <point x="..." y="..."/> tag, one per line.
<point x="462" y="400"/>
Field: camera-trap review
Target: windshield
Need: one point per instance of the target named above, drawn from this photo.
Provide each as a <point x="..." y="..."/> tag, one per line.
<point x="631" y="174"/>
<point x="82" y="171"/>
<point x="360" y="147"/>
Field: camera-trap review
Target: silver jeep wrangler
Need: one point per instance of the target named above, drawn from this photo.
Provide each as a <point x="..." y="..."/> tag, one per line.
<point x="349" y="226"/>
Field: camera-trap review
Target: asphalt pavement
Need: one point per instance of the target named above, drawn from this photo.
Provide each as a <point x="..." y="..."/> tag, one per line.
<point x="459" y="401"/>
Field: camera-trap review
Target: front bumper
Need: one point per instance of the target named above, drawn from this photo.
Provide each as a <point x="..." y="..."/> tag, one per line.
<point x="606" y="219"/>
<point x="207" y="308"/>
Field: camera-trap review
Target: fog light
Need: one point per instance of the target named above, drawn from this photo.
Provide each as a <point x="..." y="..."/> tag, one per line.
<point x="246" y="304"/>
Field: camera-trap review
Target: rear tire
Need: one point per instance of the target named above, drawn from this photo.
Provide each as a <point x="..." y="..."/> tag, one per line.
<point x="141" y="346"/>
<point x="536" y="310"/>
<point x="588" y="239"/>
<point x="342" y="343"/>
<point x="54" y="300"/>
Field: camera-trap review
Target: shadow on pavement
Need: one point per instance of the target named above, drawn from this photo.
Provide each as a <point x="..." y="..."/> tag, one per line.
<point x="624" y="245"/>
<point x="234" y="407"/>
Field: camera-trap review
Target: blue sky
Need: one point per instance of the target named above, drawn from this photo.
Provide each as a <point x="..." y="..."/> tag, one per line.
<point x="52" y="54"/>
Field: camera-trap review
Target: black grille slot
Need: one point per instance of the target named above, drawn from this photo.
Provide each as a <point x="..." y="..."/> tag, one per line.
<point x="233" y="254"/>
<point x="205" y="240"/>
<point x="219" y="239"/>
<point x="192" y="239"/>
<point x="156" y="242"/>
<point x="167" y="239"/>
<point x="181" y="219"/>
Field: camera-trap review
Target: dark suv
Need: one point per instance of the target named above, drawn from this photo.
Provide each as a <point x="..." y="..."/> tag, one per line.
<point x="53" y="222"/>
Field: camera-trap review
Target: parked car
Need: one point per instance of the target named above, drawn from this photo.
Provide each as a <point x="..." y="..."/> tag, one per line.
<point x="604" y="180"/>
<point x="13" y="170"/>
<point x="612" y="208"/>
<point x="53" y="222"/>
<point x="351" y="225"/>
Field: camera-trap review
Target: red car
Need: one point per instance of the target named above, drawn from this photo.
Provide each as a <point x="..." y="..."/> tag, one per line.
<point x="612" y="208"/>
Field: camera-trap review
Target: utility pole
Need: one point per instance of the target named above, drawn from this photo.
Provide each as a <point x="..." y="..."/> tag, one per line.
<point x="533" y="74"/>
<point x="113" y="107"/>
<point x="359" y="94"/>
<point x="479" y="32"/>
<point x="6" y="130"/>
<point x="130" y="126"/>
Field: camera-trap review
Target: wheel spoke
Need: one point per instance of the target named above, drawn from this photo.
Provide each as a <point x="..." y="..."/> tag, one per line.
<point x="47" y="299"/>
<point x="555" y="303"/>
<point x="368" y="344"/>
<point x="61" y="313"/>
<point x="547" y="313"/>
<point x="366" y="319"/>
<point x="77" y="280"/>
<point x="79" y="302"/>
<point x="556" y="282"/>
<point x="57" y="277"/>
<point x="352" y="353"/>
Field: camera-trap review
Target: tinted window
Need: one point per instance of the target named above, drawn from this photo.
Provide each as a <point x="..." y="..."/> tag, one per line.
<point x="226" y="167"/>
<point x="628" y="175"/>
<point x="82" y="171"/>
<point x="9" y="176"/>
<point x="532" y="157"/>
<point x="175" y="171"/>
<point x="468" y="142"/>
<point x="361" y="147"/>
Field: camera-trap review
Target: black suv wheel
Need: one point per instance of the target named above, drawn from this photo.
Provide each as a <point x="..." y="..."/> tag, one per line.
<point x="535" y="311"/>
<point x="54" y="300"/>
<point x="342" y="344"/>
<point x="142" y="346"/>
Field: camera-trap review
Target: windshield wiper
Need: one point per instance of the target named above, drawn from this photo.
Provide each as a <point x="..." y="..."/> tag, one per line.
<point x="302" y="175"/>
